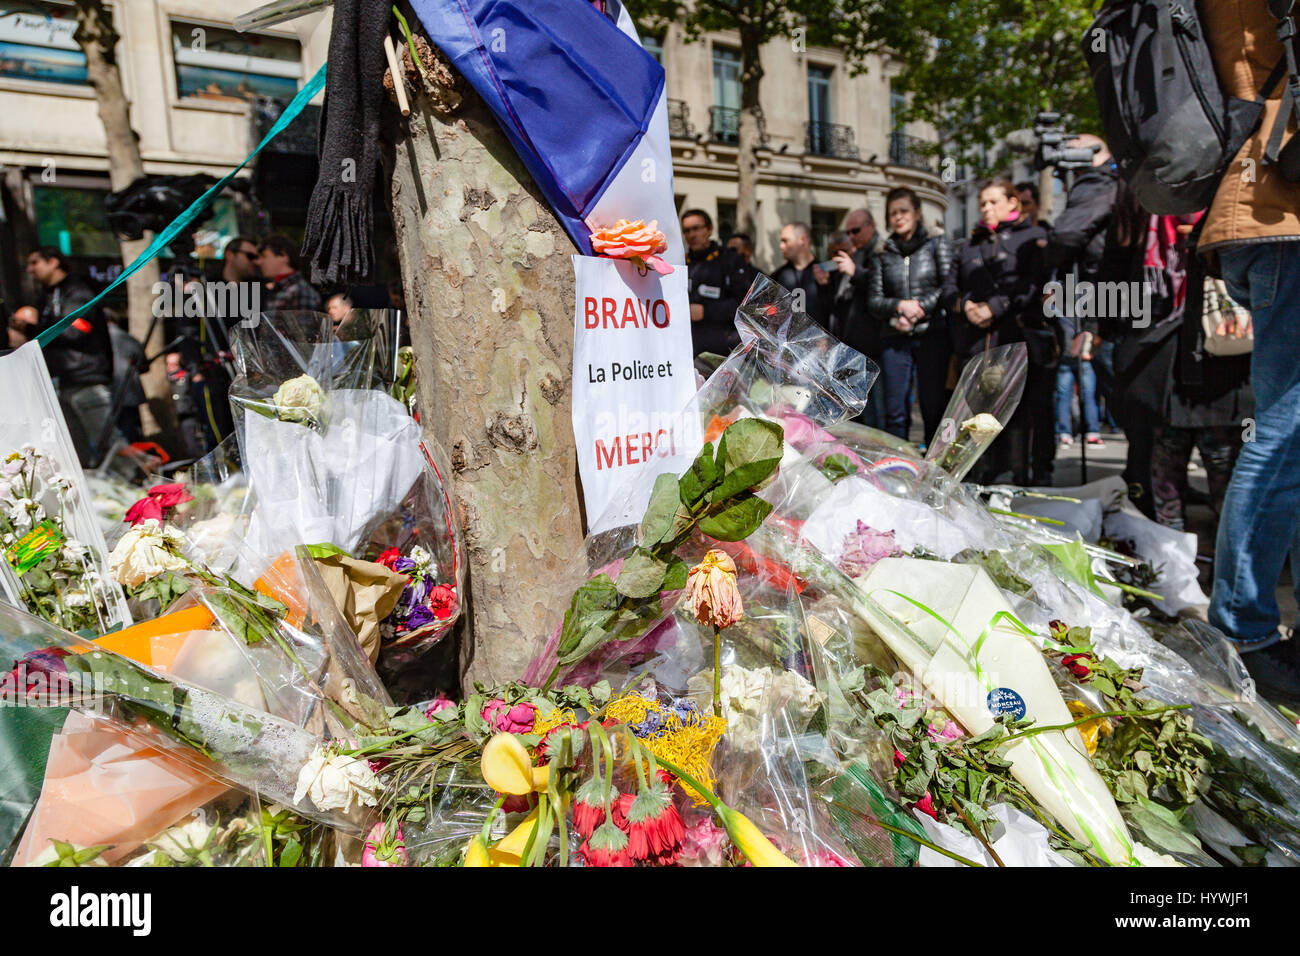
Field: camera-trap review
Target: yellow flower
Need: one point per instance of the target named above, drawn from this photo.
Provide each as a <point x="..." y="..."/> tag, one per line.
<point x="1093" y="730"/>
<point x="512" y="845"/>
<point x="711" y="591"/>
<point x="476" y="854"/>
<point x="687" y="743"/>
<point x="506" y="766"/>
<point x="757" y="848"/>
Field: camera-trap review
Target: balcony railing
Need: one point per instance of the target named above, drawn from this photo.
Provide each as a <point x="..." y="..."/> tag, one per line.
<point x="912" y="151"/>
<point x="724" y="126"/>
<point x="679" y="120"/>
<point x="830" y="139"/>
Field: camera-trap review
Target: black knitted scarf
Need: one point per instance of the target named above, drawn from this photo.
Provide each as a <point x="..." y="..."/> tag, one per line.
<point x="340" y="217"/>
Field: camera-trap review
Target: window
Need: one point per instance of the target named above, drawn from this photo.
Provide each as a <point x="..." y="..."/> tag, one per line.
<point x="725" y="114"/>
<point x="726" y="219"/>
<point x="823" y="223"/>
<point x="73" y="220"/>
<point x="36" y="43"/>
<point x="820" y="135"/>
<point x="217" y="64"/>
<point x="654" y="46"/>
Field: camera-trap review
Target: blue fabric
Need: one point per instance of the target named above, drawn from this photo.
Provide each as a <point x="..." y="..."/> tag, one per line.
<point x="572" y="92"/>
<point x="1067" y="373"/>
<point x="1261" y="511"/>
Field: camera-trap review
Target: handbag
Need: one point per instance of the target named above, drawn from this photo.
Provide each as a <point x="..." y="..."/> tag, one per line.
<point x="1220" y="307"/>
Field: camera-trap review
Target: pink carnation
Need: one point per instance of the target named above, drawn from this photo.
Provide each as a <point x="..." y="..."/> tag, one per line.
<point x="863" y="547"/>
<point x="503" y="718"/>
<point x="704" y="843"/>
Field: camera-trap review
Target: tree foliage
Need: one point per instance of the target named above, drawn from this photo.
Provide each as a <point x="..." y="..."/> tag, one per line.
<point x="978" y="69"/>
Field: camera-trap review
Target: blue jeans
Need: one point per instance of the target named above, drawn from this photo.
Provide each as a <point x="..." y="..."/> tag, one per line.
<point x="928" y="356"/>
<point x="1261" y="510"/>
<point x="1066" y="373"/>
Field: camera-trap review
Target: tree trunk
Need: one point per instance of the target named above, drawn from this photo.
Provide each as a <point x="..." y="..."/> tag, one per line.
<point x="489" y="287"/>
<point x="98" y="41"/>
<point x="748" y="137"/>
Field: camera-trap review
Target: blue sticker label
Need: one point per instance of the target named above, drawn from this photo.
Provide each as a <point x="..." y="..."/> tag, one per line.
<point x="1004" y="700"/>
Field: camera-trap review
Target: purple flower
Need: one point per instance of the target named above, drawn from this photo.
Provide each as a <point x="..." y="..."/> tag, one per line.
<point x="403" y="565"/>
<point x="863" y="547"/>
<point x="419" y="617"/>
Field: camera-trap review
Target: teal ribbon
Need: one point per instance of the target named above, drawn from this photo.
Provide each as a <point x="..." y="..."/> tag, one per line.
<point x="173" y="229"/>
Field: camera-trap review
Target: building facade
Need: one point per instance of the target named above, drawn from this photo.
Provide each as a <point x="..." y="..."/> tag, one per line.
<point x="192" y="82"/>
<point x="829" y="140"/>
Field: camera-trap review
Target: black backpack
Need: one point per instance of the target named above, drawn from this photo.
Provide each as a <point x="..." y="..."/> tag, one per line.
<point x="1169" y="125"/>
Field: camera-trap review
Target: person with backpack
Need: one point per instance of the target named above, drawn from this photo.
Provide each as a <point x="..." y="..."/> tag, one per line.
<point x="1196" y="100"/>
<point x="905" y="285"/>
<point x="1253" y="228"/>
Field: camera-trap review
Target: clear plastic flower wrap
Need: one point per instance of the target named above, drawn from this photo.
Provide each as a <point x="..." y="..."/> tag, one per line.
<point x="983" y="402"/>
<point x="331" y="458"/>
<point x="53" y="558"/>
<point x="221" y="737"/>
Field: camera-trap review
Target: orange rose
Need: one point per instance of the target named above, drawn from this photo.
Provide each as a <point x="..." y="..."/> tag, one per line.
<point x="711" y="591"/>
<point x="628" y="240"/>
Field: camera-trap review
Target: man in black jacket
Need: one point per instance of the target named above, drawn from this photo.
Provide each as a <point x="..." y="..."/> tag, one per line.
<point x="802" y="274"/>
<point x="81" y="358"/>
<point x="717" y="280"/>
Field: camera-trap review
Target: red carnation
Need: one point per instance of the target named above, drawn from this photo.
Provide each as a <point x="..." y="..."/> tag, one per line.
<point x="388" y="557"/>
<point x="144" y="510"/>
<point x="442" y="601"/>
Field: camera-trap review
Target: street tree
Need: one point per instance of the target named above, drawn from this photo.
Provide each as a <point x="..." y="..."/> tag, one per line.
<point x="97" y="38"/>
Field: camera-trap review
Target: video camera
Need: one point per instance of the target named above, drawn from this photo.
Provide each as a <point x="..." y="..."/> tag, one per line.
<point x="1052" y="150"/>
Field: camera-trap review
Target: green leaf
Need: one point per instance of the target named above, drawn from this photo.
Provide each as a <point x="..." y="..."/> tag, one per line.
<point x="291" y="852"/>
<point x="642" y="574"/>
<point x="738" y="520"/>
<point x="837" y="466"/>
<point x="323" y="550"/>
<point x="588" y="642"/>
<point x="1162" y="827"/>
<point x="593" y="602"/>
<point x="664" y="500"/>
<point x="1076" y="563"/>
<point x="677" y="574"/>
<point x="700" y="477"/>
<point x="748" y="452"/>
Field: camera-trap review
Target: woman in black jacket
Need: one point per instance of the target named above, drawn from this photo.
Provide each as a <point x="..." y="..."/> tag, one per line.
<point x="995" y="288"/>
<point x="906" y="284"/>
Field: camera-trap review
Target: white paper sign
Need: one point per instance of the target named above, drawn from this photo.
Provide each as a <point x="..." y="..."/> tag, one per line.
<point x="632" y="375"/>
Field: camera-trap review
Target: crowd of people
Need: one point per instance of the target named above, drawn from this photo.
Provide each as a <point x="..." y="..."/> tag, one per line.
<point x="96" y="364"/>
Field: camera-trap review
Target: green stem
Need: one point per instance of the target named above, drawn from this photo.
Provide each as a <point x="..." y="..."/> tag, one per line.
<point x="717" y="672"/>
<point x="410" y="44"/>
<point x="690" y="781"/>
<point x="1083" y="720"/>
<point x="907" y="833"/>
<point x="1017" y="514"/>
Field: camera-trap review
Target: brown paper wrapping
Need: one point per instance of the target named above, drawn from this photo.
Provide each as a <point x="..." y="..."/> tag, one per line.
<point x="365" y="593"/>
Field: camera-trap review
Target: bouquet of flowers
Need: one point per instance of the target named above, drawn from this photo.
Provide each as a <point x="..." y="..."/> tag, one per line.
<point x="57" y="575"/>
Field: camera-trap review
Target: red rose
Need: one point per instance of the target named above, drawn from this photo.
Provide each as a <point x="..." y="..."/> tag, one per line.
<point x="1078" y="664"/>
<point x="926" y="806"/>
<point x="144" y="510"/>
<point x="169" y="496"/>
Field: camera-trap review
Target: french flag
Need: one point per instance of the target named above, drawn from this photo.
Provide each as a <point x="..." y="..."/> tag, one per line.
<point x="583" y="104"/>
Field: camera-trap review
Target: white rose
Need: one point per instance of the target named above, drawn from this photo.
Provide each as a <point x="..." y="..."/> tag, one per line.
<point x="145" y="552"/>
<point x="299" y="399"/>
<point x="982" y="427"/>
<point x="336" y="781"/>
<point x="180" y="842"/>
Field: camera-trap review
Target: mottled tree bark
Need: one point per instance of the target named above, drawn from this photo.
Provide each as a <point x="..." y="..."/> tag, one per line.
<point x="489" y="288"/>
<point x="98" y="41"/>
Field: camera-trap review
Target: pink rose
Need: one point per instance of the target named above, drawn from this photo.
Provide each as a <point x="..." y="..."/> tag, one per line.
<point x="437" y="704"/>
<point x="863" y="547"/>
<point x="502" y="718"/>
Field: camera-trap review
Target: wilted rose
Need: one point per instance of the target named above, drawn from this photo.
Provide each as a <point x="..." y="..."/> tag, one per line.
<point x="711" y="591"/>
